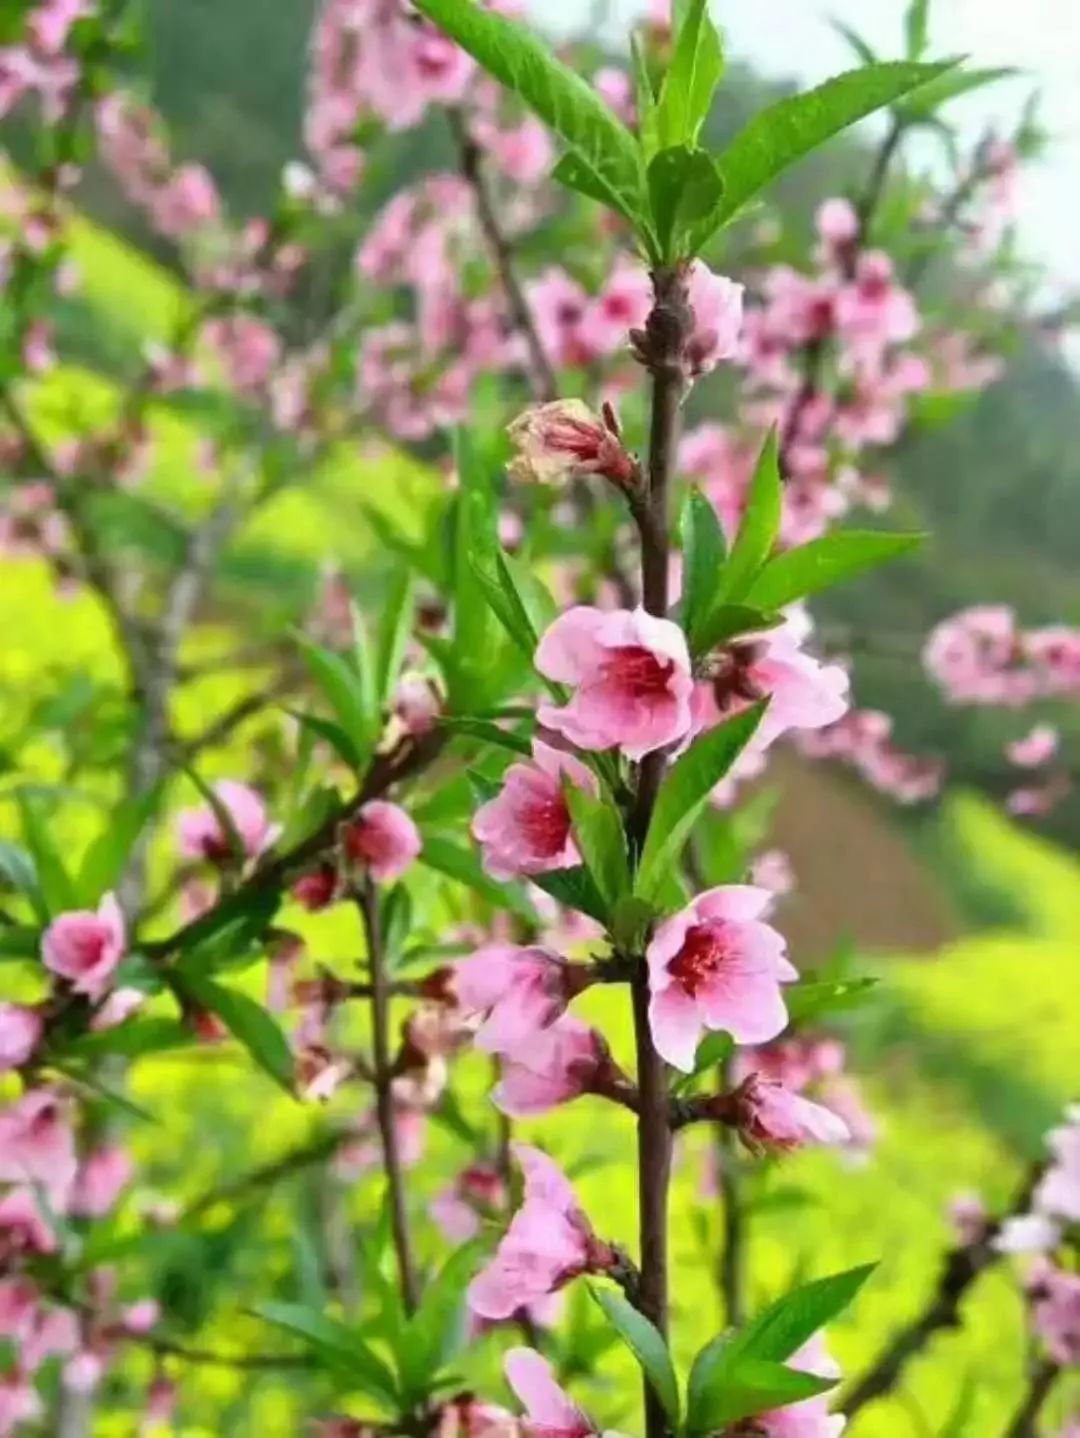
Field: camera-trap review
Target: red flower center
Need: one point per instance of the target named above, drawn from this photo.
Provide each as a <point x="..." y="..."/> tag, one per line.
<point x="546" y="824"/>
<point x="704" y="952"/>
<point x="638" y="673"/>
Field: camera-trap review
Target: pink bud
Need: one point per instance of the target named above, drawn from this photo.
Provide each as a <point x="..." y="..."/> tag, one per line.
<point x="85" y="947"/>
<point x="556" y="441"/>
<point x="382" y="839"/>
<point x="20" y="1031"/>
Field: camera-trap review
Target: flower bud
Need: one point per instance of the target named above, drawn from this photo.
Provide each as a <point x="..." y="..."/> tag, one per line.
<point x="553" y="442"/>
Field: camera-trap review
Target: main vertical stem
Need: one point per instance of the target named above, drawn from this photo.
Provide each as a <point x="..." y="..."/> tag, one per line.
<point x="665" y="338"/>
<point x="384" y="1099"/>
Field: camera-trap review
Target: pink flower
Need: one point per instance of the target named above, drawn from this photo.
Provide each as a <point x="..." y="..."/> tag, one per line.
<point x="549" y="1242"/>
<point x="549" y="1412"/>
<point x="36" y="1143"/>
<point x="85" y="947"/>
<point x="802" y="692"/>
<point x="560" y="307"/>
<point x="554" y="442"/>
<point x="622" y="305"/>
<point x="770" y="1117"/>
<point x="23" y="1230"/>
<point x="1027" y="1233"/>
<point x="117" y="1008"/>
<point x="1059" y="1191"/>
<point x="101" y="1179"/>
<point x="417" y="704"/>
<point x="202" y="835"/>
<point x="526" y="829"/>
<point x="19" y="1403"/>
<point x="837" y="223"/>
<point x="715" y="965"/>
<point x="1056" y="1315"/>
<point x="717" y="303"/>
<point x="185" y="202"/>
<point x="553" y="1066"/>
<point x="515" y="991"/>
<point x="478" y="1192"/>
<point x="1035" y="748"/>
<point x="631" y="674"/>
<point x="968" y="1217"/>
<point x="383" y="839"/>
<point x="20" y="1032"/>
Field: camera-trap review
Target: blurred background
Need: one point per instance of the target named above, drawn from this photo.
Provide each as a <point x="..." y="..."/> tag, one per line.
<point x="975" y="917"/>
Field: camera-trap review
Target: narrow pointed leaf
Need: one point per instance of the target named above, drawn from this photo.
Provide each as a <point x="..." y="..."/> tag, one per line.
<point x="760" y="524"/>
<point x="646" y="1344"/>
<point x="823" y="562"/>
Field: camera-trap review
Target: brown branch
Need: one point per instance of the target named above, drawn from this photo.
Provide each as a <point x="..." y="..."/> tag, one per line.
<point x="545" y="383"/>
<point x="1040" y="1384"/>
<point x="367" y="898"/>
<point x="961" y="1267"/>
<point x="661" y="347"/>
<point x="272" y="875"/>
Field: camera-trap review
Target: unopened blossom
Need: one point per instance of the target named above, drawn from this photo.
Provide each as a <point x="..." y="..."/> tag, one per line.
<point x="771" y="1118"/>
<point x="1035" y="748"/>
<point x="803" y="693"/>
<point x="526" y="828"/>
<point x="837" y="222"/>
<point x="477" y="1193"/>
<point x="549" y="1242"/>
<point x="549" y="1412"/>
<point x="203" y="836"/>
<point x="772" y="870"/>
<point x="84" y="946"/>
<point x="515" y="991"/>
<point x="717" y="305"/>
<point x="717" y="965"/>
<point x="553" y="1066"/>
<point x="20" y="1031"/>
<point x="556" y="441"/>
<point x="874" y="310"/>
<point x="968" y="1218"/>
<point x="37" y="1144"/>
<point x="630" y="673"/>
<point x="416" y="704"/>
<point x="317" y="889"/>
<point x="119" y="1006"/>
<point x="381" y="839"/>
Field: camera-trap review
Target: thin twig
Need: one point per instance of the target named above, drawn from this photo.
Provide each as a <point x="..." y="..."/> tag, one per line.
<point x="545" y="383"/>
<point x="368" y="903"/>
<point x="961" y="1267"/>
<point x="1040" y="1384"/>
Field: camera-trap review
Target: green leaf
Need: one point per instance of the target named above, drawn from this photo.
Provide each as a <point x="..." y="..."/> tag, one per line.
<point x="338" y="1346"/>
<point x="248" y="1022"/>
<point x="921" y="106"/>
<point x="704" y="551"/>
<point x="959" y="1422"/>
<point x="760" y="524"/>
<point x="684" y="793"/>
<point x="645" y="99"/>
<point x="343" y="689"/>
<point x="916" y="28"/>
<point x="728" y="621"/>
<point x="599" y="835"/>
<point x="684" y="188"/>
<point x="735" y="1386"/>
<point x="565" y="102"/>
<point x="18" y="871"/>
<point x="697" y="65"/>
<point x="487" y="733"/>
<point x="807" y="1003"/>
<point x="785" y="132"/>
<point x="131" y="1040"/>
<point x="105" y="860"/>
<point x="575" y="889"/>
<point x="570" y="170"/>
<point x="57" y="889"/>
<point x="783" y="1327"/>
<point x="435" y="1331"/>
<point x="646" y="1344"/>
<point x="462" y="865"/>
<point x="333" y="734"/>
<point x="861" y="47"/>
<point x="395" y="626"/>
<point x="824" y="562"/>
